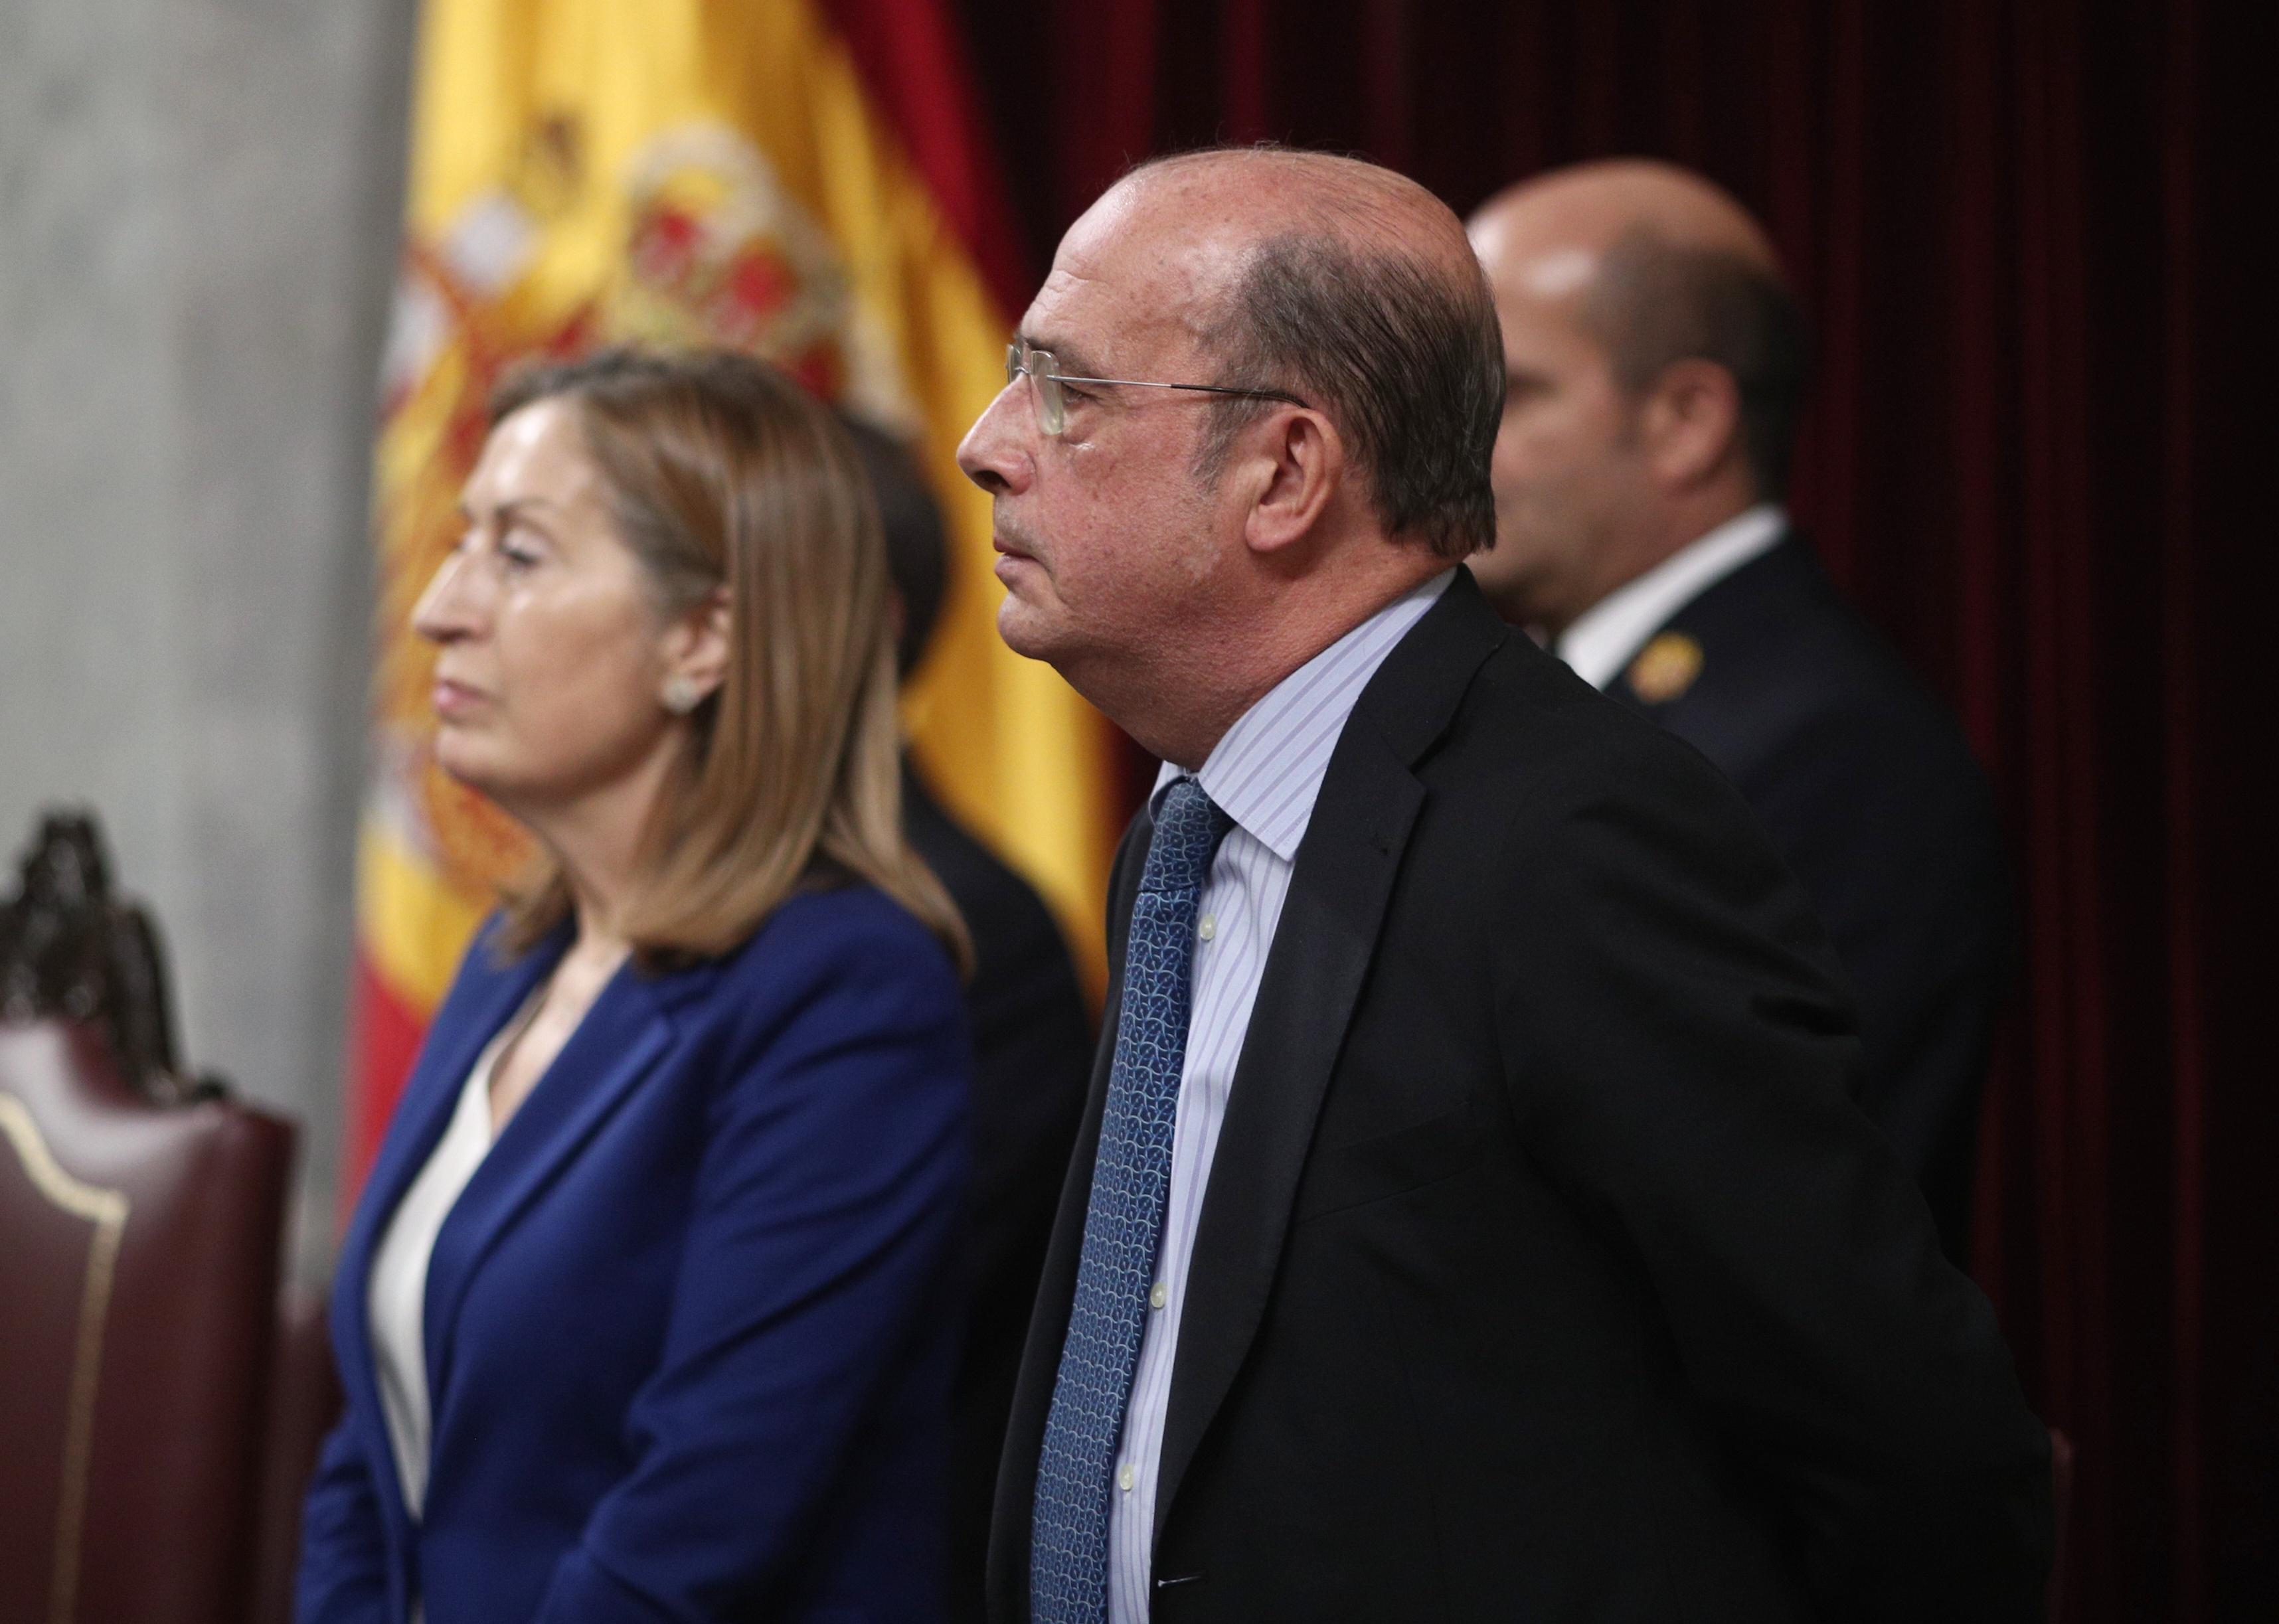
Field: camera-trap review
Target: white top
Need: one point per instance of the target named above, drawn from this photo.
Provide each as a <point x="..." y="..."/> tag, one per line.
<point x="1606" y="636"/>
<point x="1264" y="775"/>
<point x="395" y="1295"/>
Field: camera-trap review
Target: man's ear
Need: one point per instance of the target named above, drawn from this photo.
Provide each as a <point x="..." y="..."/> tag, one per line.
<point x="1690" y="425"/>
<point x="697" y="646"/>
<point x="1296" y="468"/>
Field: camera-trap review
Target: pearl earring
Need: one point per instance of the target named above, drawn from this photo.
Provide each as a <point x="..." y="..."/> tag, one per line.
<point x="681" y="694"/>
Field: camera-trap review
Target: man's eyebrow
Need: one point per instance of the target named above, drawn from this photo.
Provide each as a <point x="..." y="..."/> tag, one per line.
<point x="1067" y="357"/>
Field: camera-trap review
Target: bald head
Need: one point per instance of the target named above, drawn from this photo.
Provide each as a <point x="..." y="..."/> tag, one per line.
<point x="1659" y="266"/>
<point x="1559" y="223"/>
<point x="1657" y="373"/>
<point x="1348" y="285"/>
<point x="1240" y="197"/>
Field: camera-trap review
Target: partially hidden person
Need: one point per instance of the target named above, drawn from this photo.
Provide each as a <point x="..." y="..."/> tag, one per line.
<point x="1033" y="1044"/>
<point x="1656" y="372"/>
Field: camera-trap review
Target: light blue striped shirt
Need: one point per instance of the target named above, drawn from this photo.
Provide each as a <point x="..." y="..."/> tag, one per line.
<point x="1264" y="775"/>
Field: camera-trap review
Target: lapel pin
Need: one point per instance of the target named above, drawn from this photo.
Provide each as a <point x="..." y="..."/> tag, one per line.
<point x="1665" y="668"/>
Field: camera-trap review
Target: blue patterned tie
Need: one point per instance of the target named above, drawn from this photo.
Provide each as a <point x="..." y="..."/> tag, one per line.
<point x="1131" y="1178"/>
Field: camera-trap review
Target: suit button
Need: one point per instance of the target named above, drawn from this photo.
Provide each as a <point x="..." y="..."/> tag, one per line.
<point x="1125" y="1478"/>
<point x="1161" y="1295"/>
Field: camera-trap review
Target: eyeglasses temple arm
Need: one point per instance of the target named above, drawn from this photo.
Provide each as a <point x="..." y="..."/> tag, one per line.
<point x="1142" y="383"/>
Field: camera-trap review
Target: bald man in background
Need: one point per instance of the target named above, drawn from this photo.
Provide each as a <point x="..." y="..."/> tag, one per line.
<point x="1656" y="373"/>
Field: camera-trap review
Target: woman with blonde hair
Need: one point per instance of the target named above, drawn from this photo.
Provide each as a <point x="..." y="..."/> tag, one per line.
<point x="647" y="1312"/>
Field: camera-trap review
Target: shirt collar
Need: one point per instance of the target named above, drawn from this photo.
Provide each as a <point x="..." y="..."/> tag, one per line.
<point x="1603" y="639"/>
<point x="1267" y="771"/>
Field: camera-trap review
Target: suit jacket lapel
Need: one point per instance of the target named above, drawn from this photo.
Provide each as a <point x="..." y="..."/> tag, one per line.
<point x="483" y="1000"/>
<point x="1321" y="954"/>
<point x="621" y="1038"/>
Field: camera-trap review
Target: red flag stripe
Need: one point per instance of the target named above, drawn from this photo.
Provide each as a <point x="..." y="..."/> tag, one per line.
<point x="385" y="1043"/>
<point x="915" y="64"/>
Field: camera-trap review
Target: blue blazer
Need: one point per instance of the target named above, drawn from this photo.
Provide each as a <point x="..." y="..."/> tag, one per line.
<point x="690" y="1328"/>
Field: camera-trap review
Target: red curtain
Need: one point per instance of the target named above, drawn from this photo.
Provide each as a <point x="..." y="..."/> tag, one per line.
<point x="2020" y="229"/>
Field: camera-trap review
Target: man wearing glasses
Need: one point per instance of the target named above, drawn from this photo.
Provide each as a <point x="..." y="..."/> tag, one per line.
<point x="1471" y="1220"/>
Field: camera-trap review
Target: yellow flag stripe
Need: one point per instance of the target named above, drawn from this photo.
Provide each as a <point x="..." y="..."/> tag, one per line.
<point x="413" y="924"/>
<point x="532" y="120"/>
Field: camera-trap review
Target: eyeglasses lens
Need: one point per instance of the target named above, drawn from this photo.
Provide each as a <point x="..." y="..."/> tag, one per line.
<point x="1052" y="404"/>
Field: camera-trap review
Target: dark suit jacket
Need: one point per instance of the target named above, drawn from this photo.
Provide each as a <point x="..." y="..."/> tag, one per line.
<point x="1032" y="1052"/>
<point x="690" y="1327"/>
<point x="1547" y="1269"/>
<point x="1869" y="789"/>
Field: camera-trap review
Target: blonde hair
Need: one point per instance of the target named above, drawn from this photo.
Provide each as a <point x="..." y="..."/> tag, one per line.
<point x="723" y="473"/>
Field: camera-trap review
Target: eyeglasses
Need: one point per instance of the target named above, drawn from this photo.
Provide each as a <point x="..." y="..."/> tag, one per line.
<point x="1052" y="400"/>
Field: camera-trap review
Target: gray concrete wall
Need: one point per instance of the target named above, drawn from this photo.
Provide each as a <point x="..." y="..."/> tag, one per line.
<point x="198" y="207"/>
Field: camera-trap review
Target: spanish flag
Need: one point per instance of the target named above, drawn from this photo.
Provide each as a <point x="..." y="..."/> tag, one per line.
<point x="805" y="180"/>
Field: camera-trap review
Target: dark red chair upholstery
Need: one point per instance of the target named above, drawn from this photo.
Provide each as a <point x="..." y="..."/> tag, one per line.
<point x="143" y="1216"/>
<point x="304" y="1401"/>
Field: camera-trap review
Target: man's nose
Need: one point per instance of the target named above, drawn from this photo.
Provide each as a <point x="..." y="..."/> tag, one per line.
<point x="994" y="453"/>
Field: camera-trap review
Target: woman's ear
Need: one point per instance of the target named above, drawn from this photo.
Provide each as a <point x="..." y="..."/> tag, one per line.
<point x="697" y="646"/>
<point x="1297" y="469"/>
